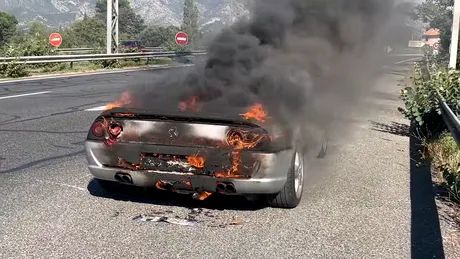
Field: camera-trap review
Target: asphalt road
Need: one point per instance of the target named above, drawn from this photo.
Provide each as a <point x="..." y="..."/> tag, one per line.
<point x="51" y="208"/>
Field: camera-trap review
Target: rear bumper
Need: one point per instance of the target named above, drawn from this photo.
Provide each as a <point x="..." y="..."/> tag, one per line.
<point x="269" y="178"/>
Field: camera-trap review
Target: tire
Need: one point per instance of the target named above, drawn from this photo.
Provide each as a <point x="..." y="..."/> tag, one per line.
<point x="289" y="197"/>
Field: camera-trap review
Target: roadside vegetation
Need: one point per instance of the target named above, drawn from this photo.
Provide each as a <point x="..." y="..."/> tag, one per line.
<point x="422" y="108"/>
<point x="431" y="78"/>
<point x="90" y="32"/>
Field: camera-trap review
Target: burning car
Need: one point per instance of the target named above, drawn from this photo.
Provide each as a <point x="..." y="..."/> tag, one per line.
<point x="197" y="153"/>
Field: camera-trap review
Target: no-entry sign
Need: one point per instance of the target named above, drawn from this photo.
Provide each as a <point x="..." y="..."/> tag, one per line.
<point x="181" y="38"/>
<point x="55" y="39"/>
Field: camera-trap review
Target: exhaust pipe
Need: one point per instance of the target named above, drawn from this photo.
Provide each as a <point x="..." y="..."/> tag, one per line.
<point x="220" y="188"/>
<point x="118" y="177"/>
<point x="225" y="188"/>
<point x="127" y="178"/>
<point x="230" y="188"/>
<point x="124" y="178"/>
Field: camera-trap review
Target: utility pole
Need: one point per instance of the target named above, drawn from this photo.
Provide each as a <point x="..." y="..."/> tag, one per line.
<point x="455" y="34"/>
<point x="112" y="26"/>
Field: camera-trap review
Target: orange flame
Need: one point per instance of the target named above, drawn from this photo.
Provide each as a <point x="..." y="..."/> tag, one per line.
<point x="159" y="185"/>
<point x="244" y="140"/>
<point x="196" y="161"/>
<point x="189" y="104"/>
<point x="202" y="195"/>
<point x="123" y="101"/>
<point x="239" y="140"/>
<point x="256" y="112"/>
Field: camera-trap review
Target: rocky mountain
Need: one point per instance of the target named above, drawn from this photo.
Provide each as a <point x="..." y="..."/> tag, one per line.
<point x="55" y="13"/>
<point x="213" y="13"/>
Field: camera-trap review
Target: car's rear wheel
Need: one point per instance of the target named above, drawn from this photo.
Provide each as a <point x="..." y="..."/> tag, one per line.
<point x="291" y="194"/>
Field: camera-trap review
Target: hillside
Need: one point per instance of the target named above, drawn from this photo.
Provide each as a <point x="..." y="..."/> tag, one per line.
<point x="55" y="13"/>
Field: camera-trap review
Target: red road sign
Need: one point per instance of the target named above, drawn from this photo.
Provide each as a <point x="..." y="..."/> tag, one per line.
<point x="181" y="38"/>
<point x="436" y="46"/>
<point x="55" y="39"/>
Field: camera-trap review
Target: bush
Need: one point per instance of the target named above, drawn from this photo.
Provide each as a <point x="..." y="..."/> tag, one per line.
<point x="422" y="106"/>
<point x="420" y="98"/>
<point x="112" y="63"/>
<point x="445" y="156"/>
<point x="13" y="69"/>
<point x="25" y="47"/>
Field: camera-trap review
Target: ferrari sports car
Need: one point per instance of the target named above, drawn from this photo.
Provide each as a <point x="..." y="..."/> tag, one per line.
<point x="198" y="153"/>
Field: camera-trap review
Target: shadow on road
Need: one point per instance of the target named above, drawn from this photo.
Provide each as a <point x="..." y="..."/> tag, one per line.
<point x="394" y="128"/>
<point x="426" y="238"/>
<point x="116" y="191"/>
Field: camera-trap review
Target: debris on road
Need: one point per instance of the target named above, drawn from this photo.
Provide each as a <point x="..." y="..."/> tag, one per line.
<point x="236" y="221"/>
<point x="194" y="217"/>
<point x="176" y="221"/>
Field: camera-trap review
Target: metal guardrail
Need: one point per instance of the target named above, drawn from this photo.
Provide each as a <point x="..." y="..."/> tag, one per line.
<point x="89" y="50"/>
<point x="94" y="57"/>
<point x="449" y="117"/>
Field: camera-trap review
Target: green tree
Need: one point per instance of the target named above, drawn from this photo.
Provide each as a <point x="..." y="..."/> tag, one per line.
<point x="8" y="27"/>
<point x="438" y="13"/>
<point x="130" y="24"/>
<point x="89" y="33"/>
<point x="158" y="36"/>
<point x="190" y="21"/>
<point x="38" y="30"/>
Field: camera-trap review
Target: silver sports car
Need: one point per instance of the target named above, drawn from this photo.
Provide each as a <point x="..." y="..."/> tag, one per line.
<point x="198" y="154"/>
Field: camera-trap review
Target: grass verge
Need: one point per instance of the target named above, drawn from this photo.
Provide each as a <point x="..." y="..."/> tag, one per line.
<point x="445" y="157"/>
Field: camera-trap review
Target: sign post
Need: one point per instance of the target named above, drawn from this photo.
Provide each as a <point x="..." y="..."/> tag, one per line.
<point x="55" y="39"/>
<point x="181" y="38"/>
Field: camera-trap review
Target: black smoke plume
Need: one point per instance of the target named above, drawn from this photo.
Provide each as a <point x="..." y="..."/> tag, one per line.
<point x="309" y="62"/>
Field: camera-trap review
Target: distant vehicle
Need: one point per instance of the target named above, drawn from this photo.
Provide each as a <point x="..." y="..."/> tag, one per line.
<point x="132" y="45"/>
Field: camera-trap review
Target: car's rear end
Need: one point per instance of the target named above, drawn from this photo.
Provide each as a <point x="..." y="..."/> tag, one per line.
<point x="188" y="153"/>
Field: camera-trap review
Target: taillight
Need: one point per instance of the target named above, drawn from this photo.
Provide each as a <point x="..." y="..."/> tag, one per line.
<point x="243" y="139"/>
<point x="115" y="129"/>
<point x="98" y="129"/>
<point x="235" y="137"/>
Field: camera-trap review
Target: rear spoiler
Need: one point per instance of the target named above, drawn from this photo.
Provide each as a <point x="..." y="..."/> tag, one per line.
<point x="205" y="117"/>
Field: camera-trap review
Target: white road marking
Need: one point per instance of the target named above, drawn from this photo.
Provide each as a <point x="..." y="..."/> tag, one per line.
<point x="62" y="184"/>
<point x="99" y="108"/>
<point x="21" y="95"/>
